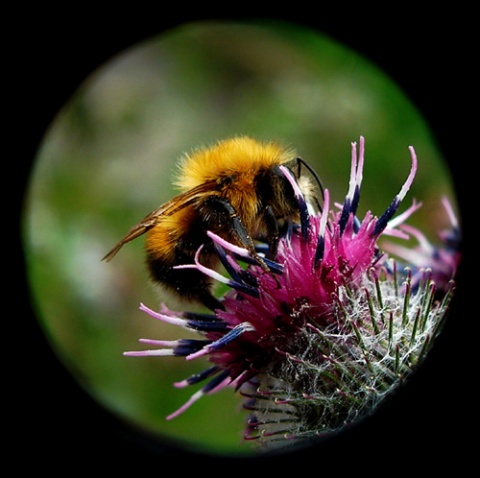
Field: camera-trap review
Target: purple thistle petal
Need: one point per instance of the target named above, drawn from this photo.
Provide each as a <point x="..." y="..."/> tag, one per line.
<point x="302" y="205"/>
<point x="222" y="341"/>
<point x="217" y="383"/>
<point x="198" y="377"/>
<point x="392" y="209"/>
<point x="352" y="199"/>
<point x="164" y="317"/>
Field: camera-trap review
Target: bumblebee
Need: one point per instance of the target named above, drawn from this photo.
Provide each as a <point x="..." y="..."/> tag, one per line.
<point x="235" y="189"/>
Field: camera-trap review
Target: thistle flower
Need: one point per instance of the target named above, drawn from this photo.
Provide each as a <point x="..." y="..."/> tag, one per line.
<point x="337" y="324"/>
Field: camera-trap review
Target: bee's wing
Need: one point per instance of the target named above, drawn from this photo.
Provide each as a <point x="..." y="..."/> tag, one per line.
<point x="167" y="209"/>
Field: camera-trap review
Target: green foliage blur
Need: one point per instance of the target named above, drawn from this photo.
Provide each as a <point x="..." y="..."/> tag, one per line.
<point x="108" y="159"/>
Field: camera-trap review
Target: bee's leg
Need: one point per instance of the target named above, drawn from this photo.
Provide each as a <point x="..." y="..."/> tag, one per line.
<point x="273" y="232"/>
<point x="223" y="216"/>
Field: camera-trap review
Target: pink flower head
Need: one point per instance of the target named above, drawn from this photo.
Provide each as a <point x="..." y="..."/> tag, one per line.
<point x="318" y="341"/>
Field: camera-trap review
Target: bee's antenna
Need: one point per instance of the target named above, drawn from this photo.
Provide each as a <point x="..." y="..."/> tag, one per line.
<point x="301" y="161"/>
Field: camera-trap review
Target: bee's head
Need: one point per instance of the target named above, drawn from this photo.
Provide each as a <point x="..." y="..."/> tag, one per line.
<point x="308" y="183"/>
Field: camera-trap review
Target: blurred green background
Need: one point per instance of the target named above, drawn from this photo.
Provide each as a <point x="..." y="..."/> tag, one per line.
<point x="108" y="158"/>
